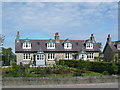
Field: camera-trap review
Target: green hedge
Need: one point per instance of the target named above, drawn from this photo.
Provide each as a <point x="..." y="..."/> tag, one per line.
<point x="101" y="67"/>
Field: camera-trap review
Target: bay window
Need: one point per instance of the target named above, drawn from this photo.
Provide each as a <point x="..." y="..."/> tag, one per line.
<point x="40" y="57"/>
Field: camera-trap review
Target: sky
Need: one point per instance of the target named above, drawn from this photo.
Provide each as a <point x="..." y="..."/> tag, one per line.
<point x="73" y="20"/>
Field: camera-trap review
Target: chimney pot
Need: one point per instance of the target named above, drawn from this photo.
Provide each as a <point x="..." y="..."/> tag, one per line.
<point x="108" y="35"/>
<point x="92" y="35"/>
<point x="56" y="34"/>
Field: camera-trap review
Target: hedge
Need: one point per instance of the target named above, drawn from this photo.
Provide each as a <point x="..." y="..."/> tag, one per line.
<point x="101" y="67"/>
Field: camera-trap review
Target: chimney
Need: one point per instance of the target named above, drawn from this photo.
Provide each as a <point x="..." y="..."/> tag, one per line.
<point x="108" y="38"/>
<point x="17" y="36"/>
<point x="57" y="37"/>
<point x="92" y="37"/>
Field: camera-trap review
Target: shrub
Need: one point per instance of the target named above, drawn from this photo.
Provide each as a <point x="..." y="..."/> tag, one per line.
<point x="100" y="67"/>
<point x="78" y="73"/>
<point x="105" y="73"/>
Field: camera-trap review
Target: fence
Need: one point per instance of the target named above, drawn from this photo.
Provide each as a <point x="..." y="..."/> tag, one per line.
<point x="57" y="80"/>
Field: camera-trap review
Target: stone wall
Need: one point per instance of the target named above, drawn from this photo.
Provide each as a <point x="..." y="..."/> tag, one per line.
<point x="19" y="57"/>
<point x="9" y="81"/>
<point x="58" y="56"/>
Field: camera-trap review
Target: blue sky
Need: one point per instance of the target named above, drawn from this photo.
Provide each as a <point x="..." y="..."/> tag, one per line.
<point x="73" y="20"/>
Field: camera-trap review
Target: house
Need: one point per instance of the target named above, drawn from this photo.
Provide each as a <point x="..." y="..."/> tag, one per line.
<point x="112" y="50"/>
<point x="47" y="51"/>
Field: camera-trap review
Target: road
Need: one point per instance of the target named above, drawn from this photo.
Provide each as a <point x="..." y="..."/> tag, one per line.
<point x="98" y="85"/>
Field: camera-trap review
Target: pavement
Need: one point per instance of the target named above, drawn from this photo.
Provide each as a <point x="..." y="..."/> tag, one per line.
<point x="93" y="85"/>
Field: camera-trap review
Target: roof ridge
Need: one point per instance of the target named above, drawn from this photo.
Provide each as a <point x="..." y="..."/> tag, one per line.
<point x="53" y="39"/>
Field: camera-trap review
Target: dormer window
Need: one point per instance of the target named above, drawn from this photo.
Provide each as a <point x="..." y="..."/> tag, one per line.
<point x="50" y="44"/>
<point x="27" y="44"/>
<point x="89" y="44"/>
<point x="67" y="44"/>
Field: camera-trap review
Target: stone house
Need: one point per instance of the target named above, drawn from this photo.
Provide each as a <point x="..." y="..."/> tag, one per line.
<point x="47" y="51"/>
<point x="111" y="50"/>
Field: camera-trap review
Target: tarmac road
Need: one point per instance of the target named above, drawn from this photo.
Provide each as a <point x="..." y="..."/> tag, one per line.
<point x="95" y="85"/>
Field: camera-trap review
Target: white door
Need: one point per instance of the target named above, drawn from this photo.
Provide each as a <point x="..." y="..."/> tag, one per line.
<point x="40" y="59"/>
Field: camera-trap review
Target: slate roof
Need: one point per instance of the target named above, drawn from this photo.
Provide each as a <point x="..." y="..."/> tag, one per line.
<point x="38" y="44"/>
<point x="113" y="46"/>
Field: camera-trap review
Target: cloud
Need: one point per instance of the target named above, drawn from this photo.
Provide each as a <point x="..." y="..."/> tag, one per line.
<point x="60" y="0"/>
<point x="72" y="20"/>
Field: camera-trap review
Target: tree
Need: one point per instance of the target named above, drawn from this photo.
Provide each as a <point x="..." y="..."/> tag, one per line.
<point x="100" y="58"/>
<point x="1" y="43"/>
<point x="99" y="45"/>
<point x="7" y="56"/>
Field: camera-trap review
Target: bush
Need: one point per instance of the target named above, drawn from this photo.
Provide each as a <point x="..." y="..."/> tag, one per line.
<point x="78" y="73"/>
<point x="100" y="67"/>
<point x="105" y="73"/>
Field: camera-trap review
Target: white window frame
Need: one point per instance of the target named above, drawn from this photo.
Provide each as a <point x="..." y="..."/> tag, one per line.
<point x="26" y="56"/>
<point x="67" y="46"/>
<point x="26" y="45"/>
<point x="68" y="56"/>
<point x="51" y="56"/>
<point x="90" y="55"/>
<point x="50" y="45"/>
<point x="89" y="46"/>
<point x="118" y="46"/>
<point x="40" y="57"/>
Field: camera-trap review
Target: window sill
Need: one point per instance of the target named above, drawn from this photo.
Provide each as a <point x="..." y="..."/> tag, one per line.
<point x="50" y="48"/>
<point x="50" y="59"/>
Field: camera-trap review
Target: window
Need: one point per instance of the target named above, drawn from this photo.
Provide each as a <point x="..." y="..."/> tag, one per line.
<point x="51" y="56"/>
<point x="50" y="45"/>
<point x="118" y="46"/>
<point x="82" y="56"/>
<point x="26" y="56"/>
<point x="90" y="56"/>
<point x="67" y="46"/>
<point x="26" y="45"/>
<point x="40" y="57"/>
<point x="68" y="56"/>
<point x="89" y="45"/>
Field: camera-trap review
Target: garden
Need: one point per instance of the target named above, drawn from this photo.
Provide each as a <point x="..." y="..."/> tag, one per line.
<point x="63" y="68"/>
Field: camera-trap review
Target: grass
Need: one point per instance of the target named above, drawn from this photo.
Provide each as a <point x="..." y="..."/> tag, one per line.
<point x="92" y="74"/>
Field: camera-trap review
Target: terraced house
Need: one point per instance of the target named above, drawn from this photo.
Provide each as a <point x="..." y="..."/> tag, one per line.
<point x="112" y="50"/>
<point x="42" y="51"/>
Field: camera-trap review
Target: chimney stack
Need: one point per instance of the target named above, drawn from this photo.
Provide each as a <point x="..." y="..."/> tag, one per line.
<point x="92" y="37"/>
<point x="108" y="38"/>
<point x="57" y="37"/>
<point x="17" y="36"/>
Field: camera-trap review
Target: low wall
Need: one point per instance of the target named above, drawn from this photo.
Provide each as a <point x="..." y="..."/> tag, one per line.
<point x="57" y="80"/>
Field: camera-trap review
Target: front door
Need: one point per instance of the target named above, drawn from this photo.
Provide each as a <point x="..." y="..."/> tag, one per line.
<point x="40" y="59"/>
